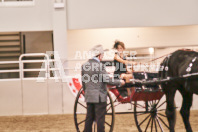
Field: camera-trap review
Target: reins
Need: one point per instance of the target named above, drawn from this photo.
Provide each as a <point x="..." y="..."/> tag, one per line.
<point x="167" y="55"/>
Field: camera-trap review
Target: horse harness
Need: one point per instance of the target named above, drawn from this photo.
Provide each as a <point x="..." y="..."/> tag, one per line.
<point x="189" y="68"/>
<point x="164" y="67"/>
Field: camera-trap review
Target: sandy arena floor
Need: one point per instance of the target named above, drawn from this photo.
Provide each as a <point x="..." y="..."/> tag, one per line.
<point x="65" y="123"/>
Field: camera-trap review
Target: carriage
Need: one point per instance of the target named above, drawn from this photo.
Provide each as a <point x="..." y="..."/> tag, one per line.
<point x="146" y="101"/>
<point x="178" y="71"/>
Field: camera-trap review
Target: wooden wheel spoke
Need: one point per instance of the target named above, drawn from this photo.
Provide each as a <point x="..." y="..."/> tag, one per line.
<point x="111" y="106"/>
<point x="148" y="124"/>
<point x="161" y="110"/>
<point x="152" y="125"/>
<point x="140" y="106"/>
<point x="161" y="104"/>
<point x="159" y="125"/>
<point x="143" y="113"/>
<point x="158" y="101"/>
<point x="155" y="125"/>
<point x="152" y="102"/>
<point x="162" y="115"/>
<point x="109" y="103"/>
<point x="155" y="102"/>
<point x="149" y="103"/>
<point x="144" y="120"/>
<point x="108" y="109"/>
<point x="81" y="122"/>
<point x="163" y="122"/>
<point x="82" y="105"/>
<point x="115" y="100"/>
<point x="107" y="124"/>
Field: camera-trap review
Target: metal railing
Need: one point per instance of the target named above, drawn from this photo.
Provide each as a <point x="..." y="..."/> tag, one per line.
<point x="9" y="62"/>
<point x="21" y="63"/>
<point x="17" y="3"/>
<point x="45" y="65"/>
<point x="46" y="61"/>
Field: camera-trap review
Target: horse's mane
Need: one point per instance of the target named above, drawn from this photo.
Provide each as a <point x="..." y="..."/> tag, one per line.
<point x="187" y="52"/>
<point x="176" y="58"/>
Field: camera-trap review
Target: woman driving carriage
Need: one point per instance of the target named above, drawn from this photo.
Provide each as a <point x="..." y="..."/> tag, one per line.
<point x="120" y="63"/>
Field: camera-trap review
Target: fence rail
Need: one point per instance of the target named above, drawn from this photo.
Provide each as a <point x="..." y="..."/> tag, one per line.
<point x="17" y="3"/>
<point x="47" y="68"/>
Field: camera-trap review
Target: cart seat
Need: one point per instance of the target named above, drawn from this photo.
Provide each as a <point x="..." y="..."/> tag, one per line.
<point x="146" y="76"/>
<point x="150" y="91"/>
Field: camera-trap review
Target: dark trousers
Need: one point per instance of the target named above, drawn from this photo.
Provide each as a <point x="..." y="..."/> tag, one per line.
<point x="95" y="112"/>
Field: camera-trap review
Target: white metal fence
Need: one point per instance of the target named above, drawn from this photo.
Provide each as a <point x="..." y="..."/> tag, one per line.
<point x="50" y="66"/>
<point x="25" y="95"/>
<point x="17" y="3"/>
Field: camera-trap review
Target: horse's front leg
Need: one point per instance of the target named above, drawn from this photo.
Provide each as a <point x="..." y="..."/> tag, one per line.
<point x="185" y="110"/>
<point x="170" y="109"/>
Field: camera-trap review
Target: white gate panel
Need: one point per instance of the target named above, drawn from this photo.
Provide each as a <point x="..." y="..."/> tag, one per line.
<point x="35" y="97"/>
<point x="10" y="97"/>
<point x="68" y="99"/>
<point x="55" y="97"/>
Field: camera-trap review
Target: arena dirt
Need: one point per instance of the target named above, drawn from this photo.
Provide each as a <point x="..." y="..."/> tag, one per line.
<point x="65" y="123"/>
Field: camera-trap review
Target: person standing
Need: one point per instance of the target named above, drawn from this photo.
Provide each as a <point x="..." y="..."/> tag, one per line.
<point x="94" y="82"/>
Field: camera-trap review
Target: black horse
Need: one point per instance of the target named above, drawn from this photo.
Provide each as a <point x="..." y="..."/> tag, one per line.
<point x="177" y="64"/>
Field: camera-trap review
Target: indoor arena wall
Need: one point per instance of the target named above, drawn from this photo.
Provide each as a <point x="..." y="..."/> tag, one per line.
<point x="88" y="14"/>
<point x="142" y="37"/>
<point x="30" y="97"/>
<point x="37" y="17"/>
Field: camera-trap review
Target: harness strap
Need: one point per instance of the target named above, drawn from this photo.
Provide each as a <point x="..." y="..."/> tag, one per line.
<point x="189" y="68"/>
<point x="166" y="65"/>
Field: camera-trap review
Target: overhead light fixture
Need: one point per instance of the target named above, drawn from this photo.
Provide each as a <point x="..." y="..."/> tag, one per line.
<point x="151" y="50"/>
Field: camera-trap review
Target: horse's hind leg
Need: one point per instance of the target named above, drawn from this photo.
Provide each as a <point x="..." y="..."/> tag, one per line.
<point x="170" y="109"/>
<point x="185" y="110"/>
